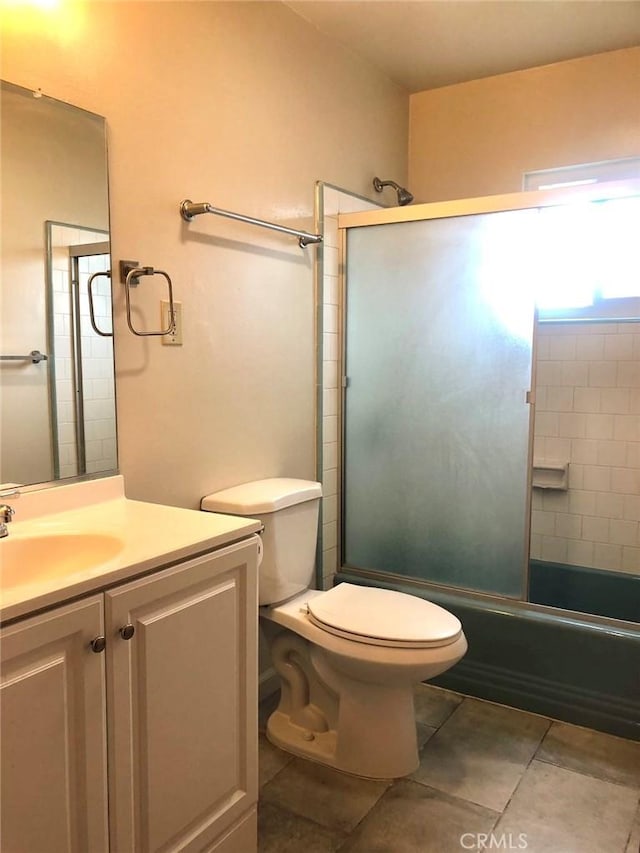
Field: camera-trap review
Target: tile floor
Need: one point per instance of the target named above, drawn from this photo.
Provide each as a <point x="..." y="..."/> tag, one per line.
<point x="490" y="778"/>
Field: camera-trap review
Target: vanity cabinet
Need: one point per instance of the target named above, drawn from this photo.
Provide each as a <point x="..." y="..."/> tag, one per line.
<point x="169" y="707"/>
<point x="52" y="732"/>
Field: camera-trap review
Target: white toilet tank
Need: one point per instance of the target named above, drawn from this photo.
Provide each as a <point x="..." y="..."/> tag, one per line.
<point x="288" y="510"/>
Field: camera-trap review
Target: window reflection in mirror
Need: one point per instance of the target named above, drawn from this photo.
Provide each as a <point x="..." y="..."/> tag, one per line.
<point x="58" y="414"/>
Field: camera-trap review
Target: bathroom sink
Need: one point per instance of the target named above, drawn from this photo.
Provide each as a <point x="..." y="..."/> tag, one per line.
<point x="30" y="559"/>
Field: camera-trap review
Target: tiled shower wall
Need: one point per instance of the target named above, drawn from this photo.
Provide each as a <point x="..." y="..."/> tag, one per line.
<point x="98" y="383"/>
<point x="588" y="414"/>
<point x="332" y="202"/>
<point x="63" y="350"/>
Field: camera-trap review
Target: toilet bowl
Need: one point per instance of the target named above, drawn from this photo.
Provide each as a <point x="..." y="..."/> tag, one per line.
<point x="363" y="720"/>
<point x="348" y="658"/>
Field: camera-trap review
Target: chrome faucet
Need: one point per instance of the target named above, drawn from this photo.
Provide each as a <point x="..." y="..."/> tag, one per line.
<point x="6" y="512"/>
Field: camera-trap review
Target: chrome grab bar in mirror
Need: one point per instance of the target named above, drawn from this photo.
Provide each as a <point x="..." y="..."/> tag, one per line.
<point x="35" y="357"/>
<point x="133" y="273"/>
<point x="92" y="316"/>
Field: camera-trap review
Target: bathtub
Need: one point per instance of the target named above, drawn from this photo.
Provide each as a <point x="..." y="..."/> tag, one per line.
<point x="575" y="667"/>
<point x="606" y="593"/>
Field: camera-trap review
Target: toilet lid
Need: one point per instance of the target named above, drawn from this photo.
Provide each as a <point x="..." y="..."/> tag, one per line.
<point x="383" y="617"/>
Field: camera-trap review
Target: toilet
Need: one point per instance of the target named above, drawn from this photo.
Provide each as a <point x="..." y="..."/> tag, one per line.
<point x="348" y="658"/>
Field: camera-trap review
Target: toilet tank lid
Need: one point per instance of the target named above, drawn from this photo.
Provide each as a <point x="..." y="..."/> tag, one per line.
<point x="262" y="496"/>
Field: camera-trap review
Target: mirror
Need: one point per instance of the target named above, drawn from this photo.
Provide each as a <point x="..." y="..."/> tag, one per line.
<point x="56" y="372"/>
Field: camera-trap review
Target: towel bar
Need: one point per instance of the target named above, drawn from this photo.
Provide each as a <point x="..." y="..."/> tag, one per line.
<point x="35" y="357"/>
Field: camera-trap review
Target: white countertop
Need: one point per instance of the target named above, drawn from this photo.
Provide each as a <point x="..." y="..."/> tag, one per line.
<point x="152" y="536"/>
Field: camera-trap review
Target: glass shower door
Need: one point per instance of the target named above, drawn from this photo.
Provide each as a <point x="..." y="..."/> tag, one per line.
<point x="438" y="360"/>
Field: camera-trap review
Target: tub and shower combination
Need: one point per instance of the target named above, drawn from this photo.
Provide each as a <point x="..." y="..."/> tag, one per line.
<point x="445" y="368"/>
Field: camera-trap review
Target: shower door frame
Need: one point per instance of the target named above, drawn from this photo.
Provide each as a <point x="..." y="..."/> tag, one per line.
<point x="526" y="200"/>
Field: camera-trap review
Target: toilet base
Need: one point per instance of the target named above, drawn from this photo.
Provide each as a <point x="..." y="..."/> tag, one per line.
<point x="315" y="746"/>
<point x="375" y="735"/>
<point x="321" y="747"/>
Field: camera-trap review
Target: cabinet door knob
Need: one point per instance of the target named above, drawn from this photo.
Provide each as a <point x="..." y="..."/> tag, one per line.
<point x="98" y="644"/>
<point x="127" y="631"/>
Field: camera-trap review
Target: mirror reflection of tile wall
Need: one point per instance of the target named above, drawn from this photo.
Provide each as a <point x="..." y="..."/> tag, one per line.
<point x="588" y="414"/>
<point x="94" y="399"/>
<point x="98" y="381"/>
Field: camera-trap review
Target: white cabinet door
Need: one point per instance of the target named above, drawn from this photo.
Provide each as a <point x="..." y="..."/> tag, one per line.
<point x="182" y="702"/>
<point x="52" y="710"/>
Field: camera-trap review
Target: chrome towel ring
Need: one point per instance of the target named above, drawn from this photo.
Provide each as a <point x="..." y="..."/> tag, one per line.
<point x="92" y="315"/>
<point x="133" y="274"/>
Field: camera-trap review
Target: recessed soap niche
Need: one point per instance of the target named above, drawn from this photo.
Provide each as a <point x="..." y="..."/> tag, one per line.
<point x="550" y="474"/>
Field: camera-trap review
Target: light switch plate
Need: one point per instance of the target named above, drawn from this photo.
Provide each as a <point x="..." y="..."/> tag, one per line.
<point x="176" y="338"/>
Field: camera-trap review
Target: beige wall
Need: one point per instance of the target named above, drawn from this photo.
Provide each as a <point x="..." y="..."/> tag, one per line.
<point x="243" y="105"/>
<point x="477" y="138"/>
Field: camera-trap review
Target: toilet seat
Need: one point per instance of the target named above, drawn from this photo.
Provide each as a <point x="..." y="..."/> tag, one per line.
<point x="383" y="617"/>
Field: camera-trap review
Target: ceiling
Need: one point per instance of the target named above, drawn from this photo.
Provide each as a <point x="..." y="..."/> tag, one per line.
<point x="424" y="44"/>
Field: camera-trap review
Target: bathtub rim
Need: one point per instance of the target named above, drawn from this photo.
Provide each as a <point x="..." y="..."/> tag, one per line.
<point x="493" y="603"/>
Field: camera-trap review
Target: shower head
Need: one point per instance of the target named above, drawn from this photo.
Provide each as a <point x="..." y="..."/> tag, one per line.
<point x="404" y="196"/>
